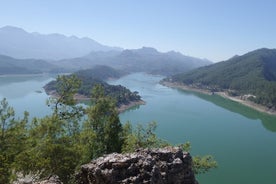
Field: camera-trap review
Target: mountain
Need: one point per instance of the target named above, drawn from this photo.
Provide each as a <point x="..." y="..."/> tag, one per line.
<point x="9" y="65"/>
<point x="90" y="60"/>
<point x="145" y="59"/>
<point x="18" y="43"/>
<point x="101" y="72"/>
<point x="252" y="75"/>
<point x="151" y="61"/>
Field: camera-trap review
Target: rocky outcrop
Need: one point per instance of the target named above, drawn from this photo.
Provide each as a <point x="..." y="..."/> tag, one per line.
<point x="155" y="166"/>
<point x="51" y="180"/>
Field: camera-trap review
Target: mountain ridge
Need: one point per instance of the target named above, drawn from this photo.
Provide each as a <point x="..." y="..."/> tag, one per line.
<point x="251" y="77"/>
<point x="10" y="66"/>
<point x="145" y="59"/>
<point x="18" y="43"/>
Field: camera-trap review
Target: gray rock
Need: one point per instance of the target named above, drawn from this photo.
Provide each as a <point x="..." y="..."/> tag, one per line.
<point x="168" y="165"/>
<point x="51" y="180"/>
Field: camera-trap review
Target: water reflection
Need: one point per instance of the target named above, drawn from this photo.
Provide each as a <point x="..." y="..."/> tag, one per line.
<point x="20" y="86"/>
<point x="268" y="121"/>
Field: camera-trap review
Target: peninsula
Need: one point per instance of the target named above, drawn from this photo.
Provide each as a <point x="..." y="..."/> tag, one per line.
<point x="124" y="98"/>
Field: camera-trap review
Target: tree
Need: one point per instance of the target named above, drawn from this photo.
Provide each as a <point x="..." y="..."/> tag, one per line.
<point x="57" y="145"/>
<point x="54" y="139"/>
<point x="145" y="137"/>
<point x="12" y="140"/>
<point x="201" y="164"/>
<point x="141" y="137"/>
<point x="104" y="123"/>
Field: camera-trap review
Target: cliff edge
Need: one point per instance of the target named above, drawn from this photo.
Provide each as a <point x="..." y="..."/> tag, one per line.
<point x="155" y="166"/>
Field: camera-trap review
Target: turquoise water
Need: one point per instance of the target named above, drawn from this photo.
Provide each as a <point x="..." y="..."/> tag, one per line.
<point x="242" y="140"/>
<point x="26" y="93"/>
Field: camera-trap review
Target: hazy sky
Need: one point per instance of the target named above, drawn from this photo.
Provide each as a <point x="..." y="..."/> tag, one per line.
<point x="213" y="29"/>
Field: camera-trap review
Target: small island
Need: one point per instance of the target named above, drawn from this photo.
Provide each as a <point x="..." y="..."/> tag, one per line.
<point x="125" y="99"/>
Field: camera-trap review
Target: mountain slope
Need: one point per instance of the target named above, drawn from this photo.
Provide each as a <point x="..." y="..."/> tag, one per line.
<point x="18" y="43"/>
<point x="101" y="72"/>
<point x="9" y="65"/>
<point x="252" y="74"/>
<point x="138" y="60"/>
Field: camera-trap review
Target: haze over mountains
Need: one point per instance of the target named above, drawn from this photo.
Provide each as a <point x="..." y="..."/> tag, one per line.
<point x="9" y="65"/>
<point x="145" y="59"/>
<point x="70" y="54"/>
<point x="20" y="44"/>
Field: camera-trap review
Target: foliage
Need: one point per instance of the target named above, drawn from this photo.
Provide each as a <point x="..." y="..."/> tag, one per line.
<point x="12" y="140"/>
<point x="104" y="120"/>
<point x="201" y="164"/>
<point x="144" y="137"/>
<point x="253" y="73"/>
<point x="57" y="144"/>
<point x="91" y="77"/>
<point x="141" y="137"/>
<point x="53" y="140"/>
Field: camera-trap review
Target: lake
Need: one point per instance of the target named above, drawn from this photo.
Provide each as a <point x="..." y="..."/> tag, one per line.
<point x="242" y="140"/>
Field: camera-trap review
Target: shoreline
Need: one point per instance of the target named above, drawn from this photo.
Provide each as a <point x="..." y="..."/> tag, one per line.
<point x="120" y="109"/>
<point x="223" y="94"/>
<point x="124" y="108"/>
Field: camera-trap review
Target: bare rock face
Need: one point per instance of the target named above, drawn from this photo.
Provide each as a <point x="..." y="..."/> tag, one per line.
<point x="155" y="166"/>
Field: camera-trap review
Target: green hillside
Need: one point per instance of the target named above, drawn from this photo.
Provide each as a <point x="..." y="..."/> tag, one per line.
<point x="253" y="73"/>
<point x="9" y="65"/>
<point x="97" y="75"/>
<point x="101" y="72"/>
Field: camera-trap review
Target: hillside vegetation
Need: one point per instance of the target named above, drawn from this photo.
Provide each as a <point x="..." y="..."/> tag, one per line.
<point x="9" y="65"/>
<point x="252" y="74"/>
<point x="97" y="75"/>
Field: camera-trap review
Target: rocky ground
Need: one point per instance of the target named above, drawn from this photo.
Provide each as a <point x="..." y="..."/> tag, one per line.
<point x="156" y="166"/>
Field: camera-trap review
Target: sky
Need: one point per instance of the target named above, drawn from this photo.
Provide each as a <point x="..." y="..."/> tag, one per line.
<point x="211" y="29"/>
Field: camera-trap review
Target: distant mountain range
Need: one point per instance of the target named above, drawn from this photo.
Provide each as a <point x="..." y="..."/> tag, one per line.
<point x="9" y="65"/>
<point x="73" y="53"/>
<point x="252" y="74"/>
<point x="145" y="59"/>
<point x="18" y="43"/>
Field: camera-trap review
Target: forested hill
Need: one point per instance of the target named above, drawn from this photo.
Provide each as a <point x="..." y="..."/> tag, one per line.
<point x="101" y="72"/>
<point x="253" y="73"/>
<point x="97" y="75"/>
<point x="9" y="65"/>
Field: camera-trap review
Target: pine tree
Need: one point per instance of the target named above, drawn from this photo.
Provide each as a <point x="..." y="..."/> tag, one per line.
<point x="104" y="123"/>
<point x="12" y="140"/>
<point x="54" y="139"/>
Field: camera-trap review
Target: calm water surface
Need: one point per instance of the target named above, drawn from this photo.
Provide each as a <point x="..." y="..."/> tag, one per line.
<point x="26" y="93"/>
<point x="242" y="140"/>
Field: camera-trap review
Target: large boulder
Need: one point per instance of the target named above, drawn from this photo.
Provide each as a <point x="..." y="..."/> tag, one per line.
<point x="156" y="166"/>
